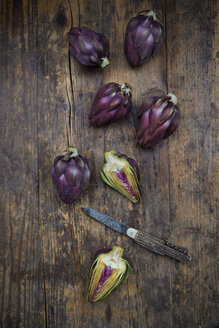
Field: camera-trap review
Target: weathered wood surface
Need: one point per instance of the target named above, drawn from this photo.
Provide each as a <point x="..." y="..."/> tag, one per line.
<point x="45" y="97"/>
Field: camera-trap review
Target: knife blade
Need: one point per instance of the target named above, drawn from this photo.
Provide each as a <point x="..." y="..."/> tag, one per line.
<point x="145" y="240"/>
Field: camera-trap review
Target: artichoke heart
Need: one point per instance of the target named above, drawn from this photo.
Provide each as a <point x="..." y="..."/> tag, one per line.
<point x="122" y="173"/>
<point x="108" y="271"/>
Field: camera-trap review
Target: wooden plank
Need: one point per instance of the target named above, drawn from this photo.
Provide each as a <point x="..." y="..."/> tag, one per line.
<point x="57" y="226"/>
<point x="21" y="269"/>
<point x="194" y="167"/>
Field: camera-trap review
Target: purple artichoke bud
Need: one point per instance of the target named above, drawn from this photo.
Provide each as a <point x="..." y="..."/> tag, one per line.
<point x="122" y="173"/>
<point x="144" y="36"/>
<point x="112" y="102"/>
<point x="88" y="47"/>
<point x="158" y="118"/>
<point x="108" y="271"/>
<point x="70" y="175"/>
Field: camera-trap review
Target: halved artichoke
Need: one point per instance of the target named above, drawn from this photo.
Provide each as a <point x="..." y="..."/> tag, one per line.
<point x="108" y="271"/>
<point x="122" y="173"/>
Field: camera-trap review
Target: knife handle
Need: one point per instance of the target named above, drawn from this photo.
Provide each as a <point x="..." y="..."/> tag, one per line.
<point x="159" y="246"/>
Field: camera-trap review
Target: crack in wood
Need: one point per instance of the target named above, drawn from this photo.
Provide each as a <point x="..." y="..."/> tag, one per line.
<point x="70" y="13"/>
<point x="72" y="93"/>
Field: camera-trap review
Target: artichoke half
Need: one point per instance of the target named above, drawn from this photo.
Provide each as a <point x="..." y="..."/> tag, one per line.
<point x="107" y="272"/>
<point x="122" y="173"/>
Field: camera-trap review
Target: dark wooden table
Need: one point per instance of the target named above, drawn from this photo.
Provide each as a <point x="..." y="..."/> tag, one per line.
<point x="45" y="96"/>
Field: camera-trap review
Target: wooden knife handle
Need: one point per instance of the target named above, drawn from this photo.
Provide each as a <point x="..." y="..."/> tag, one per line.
<point x="159" y="246"/>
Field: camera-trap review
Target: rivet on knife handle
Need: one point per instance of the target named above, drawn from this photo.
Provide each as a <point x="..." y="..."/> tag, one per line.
<point x="158" y="245"/>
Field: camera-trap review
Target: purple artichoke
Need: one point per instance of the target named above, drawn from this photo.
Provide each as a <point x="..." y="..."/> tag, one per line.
<point x="122" y="173"/>
<point x="158" y="118"/>
<point x="144" y="36"/>
<point x="112" y="102"/>
<point x="70" y="175"/>
<point x="108" y="271"/>
<point x="88" y="47"/>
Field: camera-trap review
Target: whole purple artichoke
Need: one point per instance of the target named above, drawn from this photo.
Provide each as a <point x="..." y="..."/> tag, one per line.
<point x="88" y="47"/>
<point x="144" y="36"/>
<point x="70" y="175"/>
<point x="158" y="118"/>
<point x="112" y="102"/>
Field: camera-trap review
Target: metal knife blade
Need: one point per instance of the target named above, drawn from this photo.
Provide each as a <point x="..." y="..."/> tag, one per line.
<point x="107" y="220"/>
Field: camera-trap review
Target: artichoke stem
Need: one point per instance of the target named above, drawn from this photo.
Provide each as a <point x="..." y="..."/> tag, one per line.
<point x="117" y="251"/>
<point x="152" y="13"/>
<point x="71" y="152"/>
<point x="105" y="62"/>
<point x="125" y="88"/>
<point x="173" y="98"/>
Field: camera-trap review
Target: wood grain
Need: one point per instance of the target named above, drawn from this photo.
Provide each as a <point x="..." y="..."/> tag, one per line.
<point x="193" y="158"/>
<point x="22" y="283"/>
<point x="46" y="246"/>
